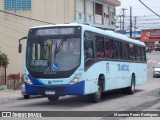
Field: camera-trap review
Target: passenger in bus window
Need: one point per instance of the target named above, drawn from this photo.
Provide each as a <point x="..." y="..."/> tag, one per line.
<point x="88" y="50"/>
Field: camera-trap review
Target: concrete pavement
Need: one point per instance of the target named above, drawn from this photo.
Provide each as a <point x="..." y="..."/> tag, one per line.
<point x="7" y="95"/>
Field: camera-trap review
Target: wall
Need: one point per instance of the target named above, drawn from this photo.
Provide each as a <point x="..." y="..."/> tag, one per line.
<point x="13" y="28"/>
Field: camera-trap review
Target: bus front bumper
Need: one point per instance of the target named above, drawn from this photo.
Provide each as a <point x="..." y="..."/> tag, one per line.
<point x="29" y="89"/>
<point x="69" y="89"/>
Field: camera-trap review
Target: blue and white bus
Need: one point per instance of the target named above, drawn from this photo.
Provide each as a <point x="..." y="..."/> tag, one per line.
<point x="77" y="59"/>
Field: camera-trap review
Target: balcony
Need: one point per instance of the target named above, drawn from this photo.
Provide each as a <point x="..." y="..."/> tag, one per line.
<point x="112" y="2"/>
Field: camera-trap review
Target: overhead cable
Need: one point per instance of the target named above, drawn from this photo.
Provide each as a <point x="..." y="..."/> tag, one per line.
<point x="149" y="8"/>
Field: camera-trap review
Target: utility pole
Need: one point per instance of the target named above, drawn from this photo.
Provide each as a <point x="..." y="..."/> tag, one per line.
<point x="120" y="24"/>
<point x="135" y="20"/>
<point x="130" y="22"/>
<point x="123" y="9"/>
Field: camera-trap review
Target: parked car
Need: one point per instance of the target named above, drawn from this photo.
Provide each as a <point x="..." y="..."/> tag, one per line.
<point x="156" y="70"/>
<point x="157" y="47"/>
<point x="148" y="49"/>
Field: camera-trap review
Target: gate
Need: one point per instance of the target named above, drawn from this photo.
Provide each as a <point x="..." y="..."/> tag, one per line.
<point x="14" y="81"/>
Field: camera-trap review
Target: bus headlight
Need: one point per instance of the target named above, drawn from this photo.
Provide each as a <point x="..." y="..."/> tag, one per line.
<point x="75" y="79"/>
<point x="27" y="80"/>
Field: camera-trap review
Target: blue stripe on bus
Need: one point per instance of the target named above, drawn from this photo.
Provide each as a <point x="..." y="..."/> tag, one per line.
<point x="70" y="89"/>
<point x="30" y="89"/>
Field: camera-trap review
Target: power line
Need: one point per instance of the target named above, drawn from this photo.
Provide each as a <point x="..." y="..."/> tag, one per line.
<point x="145" y="8"/>
<point x="149" y="8"/>
<point x="25" y="17"/>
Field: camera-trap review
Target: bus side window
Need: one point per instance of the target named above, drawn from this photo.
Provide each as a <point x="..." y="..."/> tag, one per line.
<point x="100" y="47"/>
<point x="132" y="52"/>
<point x="88" y="49"/>
<point x="118" y="50"/>
<point x="126" y="51"/>
<point x="138" y="54"/>
<point x="143" y="53"/>
<point x="109" y="48"/>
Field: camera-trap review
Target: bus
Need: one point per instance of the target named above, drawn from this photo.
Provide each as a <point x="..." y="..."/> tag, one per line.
<point x="77" y="59"/>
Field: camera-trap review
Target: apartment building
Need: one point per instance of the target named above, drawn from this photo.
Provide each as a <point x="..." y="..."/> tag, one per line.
<point x="28" y="13"/>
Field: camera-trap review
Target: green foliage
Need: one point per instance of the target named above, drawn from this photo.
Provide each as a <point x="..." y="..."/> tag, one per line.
<point x="3" y="87"/>
<point x="4" y="61"/>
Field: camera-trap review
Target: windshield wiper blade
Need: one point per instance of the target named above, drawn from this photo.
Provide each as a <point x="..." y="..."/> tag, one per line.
<point x="58" y="48"/>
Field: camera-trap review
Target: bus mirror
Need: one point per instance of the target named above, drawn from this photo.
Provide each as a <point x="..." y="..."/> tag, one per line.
<point x="20" y="48"/>
<point x="20" y="45"/>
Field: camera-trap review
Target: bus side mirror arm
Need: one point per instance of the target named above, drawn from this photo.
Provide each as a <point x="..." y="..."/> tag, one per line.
<point x="20" y="45"/>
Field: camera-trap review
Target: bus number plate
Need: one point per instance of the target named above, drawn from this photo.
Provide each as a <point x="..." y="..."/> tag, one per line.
<point x="49" y="92"/>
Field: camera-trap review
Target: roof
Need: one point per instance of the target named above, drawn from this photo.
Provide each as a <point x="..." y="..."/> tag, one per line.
<point x="97" y="30"/>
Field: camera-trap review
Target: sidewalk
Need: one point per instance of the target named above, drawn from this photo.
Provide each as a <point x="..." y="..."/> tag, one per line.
<point x="6" y="95"/>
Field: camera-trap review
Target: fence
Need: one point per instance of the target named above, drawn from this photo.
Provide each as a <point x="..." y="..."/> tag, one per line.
<point x="14" y="81"/>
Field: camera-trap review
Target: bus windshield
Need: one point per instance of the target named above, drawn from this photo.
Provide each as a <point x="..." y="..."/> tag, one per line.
<point x="56" y="54"/>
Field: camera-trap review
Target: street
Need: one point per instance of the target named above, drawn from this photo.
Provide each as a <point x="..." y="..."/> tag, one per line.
<point x="145" y="96"/>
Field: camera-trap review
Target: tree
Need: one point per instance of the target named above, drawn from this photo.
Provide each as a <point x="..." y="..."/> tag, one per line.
<point x="4" y="61"/>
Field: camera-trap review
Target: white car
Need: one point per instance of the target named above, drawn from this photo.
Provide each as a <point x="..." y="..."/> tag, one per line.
<point x="156" y="70"/>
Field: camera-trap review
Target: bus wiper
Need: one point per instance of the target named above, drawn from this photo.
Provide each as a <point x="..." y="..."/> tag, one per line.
<point x="58" y="48"/>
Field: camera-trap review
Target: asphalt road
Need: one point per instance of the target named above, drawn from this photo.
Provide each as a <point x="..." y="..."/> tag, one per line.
<point x="146" y="95"/>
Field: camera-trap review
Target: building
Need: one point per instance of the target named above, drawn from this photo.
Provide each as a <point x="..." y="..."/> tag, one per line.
<point x="151" y="37"/>
<point x="98" y="13"/>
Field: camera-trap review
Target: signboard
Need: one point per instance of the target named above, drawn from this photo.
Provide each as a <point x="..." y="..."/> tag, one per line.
<point x="150" y="35"/>
<point x="98" y="19"/>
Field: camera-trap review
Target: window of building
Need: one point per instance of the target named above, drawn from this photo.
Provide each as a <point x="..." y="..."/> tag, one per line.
<point x="17" y="4"/>
<point x="100" y="47"/>
<point x="99" y="9"/>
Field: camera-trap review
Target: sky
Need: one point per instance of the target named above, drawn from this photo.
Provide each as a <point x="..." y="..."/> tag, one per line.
<point x="145" y="18"/>
<point x="138" y="9"/>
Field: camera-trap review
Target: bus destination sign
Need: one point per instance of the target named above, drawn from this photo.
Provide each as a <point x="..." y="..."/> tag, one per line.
<point x="55" y="31"/>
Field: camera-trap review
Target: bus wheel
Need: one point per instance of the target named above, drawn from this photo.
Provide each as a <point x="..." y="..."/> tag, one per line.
<point x="26" y="96"/>
<point x="53" y="98"/>
<point x="131" y="89"/>
<point x="96" y="97"/>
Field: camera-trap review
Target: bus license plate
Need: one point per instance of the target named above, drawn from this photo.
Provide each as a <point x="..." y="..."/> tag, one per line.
<point x="49" y="92"/>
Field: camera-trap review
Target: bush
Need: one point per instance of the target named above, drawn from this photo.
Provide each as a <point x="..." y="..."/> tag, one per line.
<point x="4" y="61"/>
<point x="3" y="87"/>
